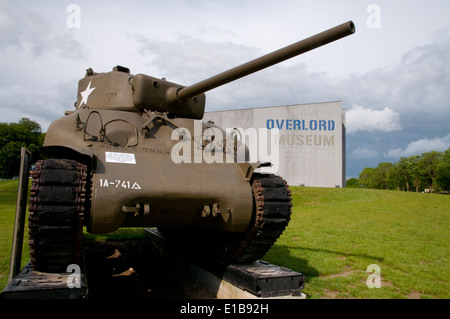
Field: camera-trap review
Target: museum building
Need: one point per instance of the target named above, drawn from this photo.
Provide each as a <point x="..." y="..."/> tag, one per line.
<point x="309" y="138"/>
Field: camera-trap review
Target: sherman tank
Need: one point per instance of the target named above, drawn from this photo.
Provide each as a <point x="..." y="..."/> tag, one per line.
<point x="110" y="164"/>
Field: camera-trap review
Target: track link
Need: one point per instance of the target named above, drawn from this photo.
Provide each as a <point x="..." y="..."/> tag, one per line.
<point x="56" y="211"/>
<point x="273" y="206"/>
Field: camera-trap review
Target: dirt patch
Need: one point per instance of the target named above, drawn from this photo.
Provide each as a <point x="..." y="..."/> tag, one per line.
<point x="414" y="295"/>
<point x="346" y="273"/>
<point x="135" y="269"/>
<point x="328" y="294"/>
<point x="386" y="283"/>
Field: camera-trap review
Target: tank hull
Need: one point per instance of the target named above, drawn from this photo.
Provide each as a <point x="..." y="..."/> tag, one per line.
<point x="151" y="190"/>
<point x="138" y="184"/>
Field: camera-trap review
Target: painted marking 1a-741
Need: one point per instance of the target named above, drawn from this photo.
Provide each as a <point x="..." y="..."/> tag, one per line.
<point x="119" y="183"/>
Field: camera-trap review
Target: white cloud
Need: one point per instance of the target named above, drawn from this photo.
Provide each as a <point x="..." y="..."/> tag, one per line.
<point x="38" y="33"/>
<point x="421" y="146"/>
<point x="365" y="119"/>
<point x="17" y="101"/>
<point x="189" y="59"/>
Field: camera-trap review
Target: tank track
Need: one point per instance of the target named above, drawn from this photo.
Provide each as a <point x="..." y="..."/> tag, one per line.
<point x="273" y="205"/>
<point x="56" y="212"/>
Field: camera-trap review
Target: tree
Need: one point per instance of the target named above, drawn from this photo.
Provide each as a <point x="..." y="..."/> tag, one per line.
<point x="14" y="136"/>
<point x="428" y="165"/>
<point x="366" y="177"/>
<point x="404" y="170"/>
<point x="32" y="126"/>
<point x="428" y="170"/>
<point x="381" y="175"/>
<point x="393" y="177"/>
<point x="443" y="171"/>
<point x="352" y="183"/>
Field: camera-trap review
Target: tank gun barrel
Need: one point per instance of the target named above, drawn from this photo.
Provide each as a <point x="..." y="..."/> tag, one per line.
<point x="267" y="60"/>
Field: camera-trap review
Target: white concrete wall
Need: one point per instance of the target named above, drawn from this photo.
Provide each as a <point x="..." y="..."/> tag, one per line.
<point x="311" y="140"/>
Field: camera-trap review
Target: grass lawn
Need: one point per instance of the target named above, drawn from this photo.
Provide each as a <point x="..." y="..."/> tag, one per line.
<point x="8" y="197"/>
<point x="334" y="235"/>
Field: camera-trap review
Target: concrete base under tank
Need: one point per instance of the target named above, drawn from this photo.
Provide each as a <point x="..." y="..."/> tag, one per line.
<point x="31" y="284"/>
<point x="259" y="280"/>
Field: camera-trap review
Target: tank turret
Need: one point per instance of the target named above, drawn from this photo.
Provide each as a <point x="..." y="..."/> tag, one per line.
<point x="120" y="90"/>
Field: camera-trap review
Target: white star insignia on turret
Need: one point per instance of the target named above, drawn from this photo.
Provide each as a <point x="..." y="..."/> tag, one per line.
<point x="85" y="94"/>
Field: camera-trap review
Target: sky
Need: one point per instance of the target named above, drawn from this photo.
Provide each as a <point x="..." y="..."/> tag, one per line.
<point x="392" y="75"/>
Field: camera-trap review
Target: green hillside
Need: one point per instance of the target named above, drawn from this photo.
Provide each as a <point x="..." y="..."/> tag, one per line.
<point x="335" y="234"/>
